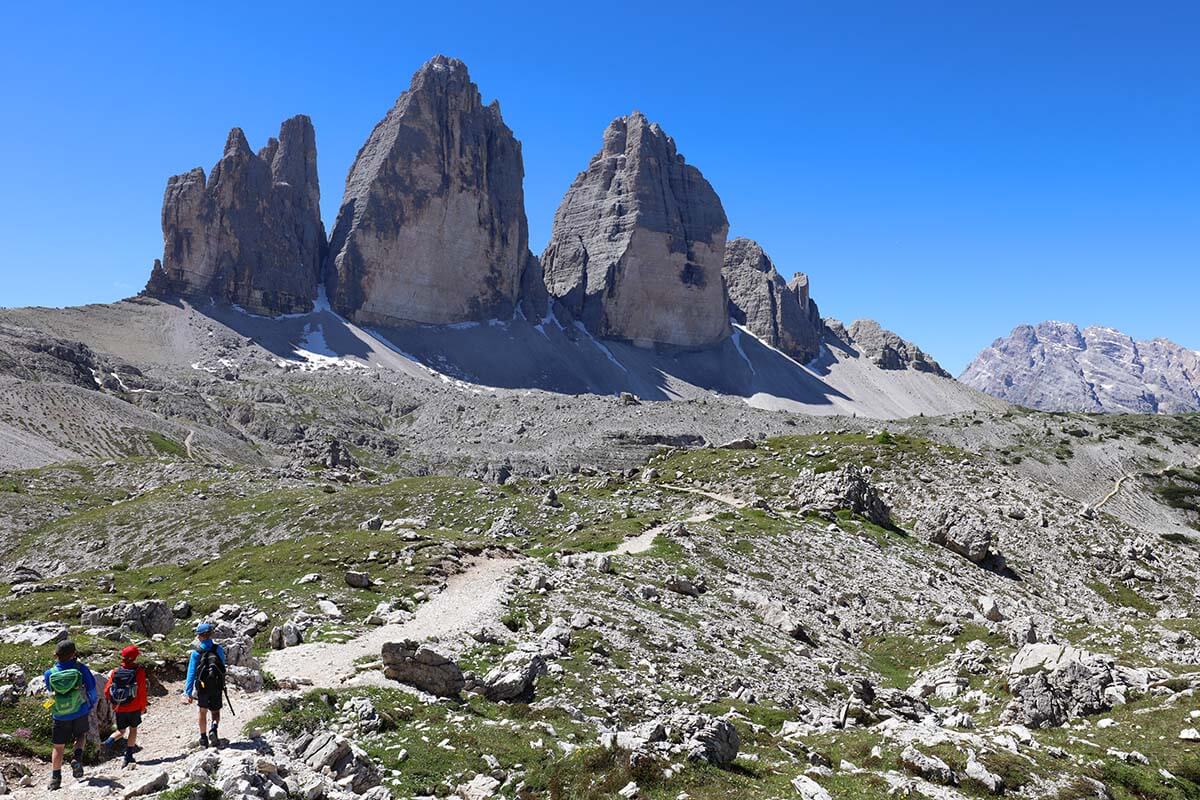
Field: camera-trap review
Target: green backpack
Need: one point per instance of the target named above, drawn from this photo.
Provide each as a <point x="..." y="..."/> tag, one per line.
<point x="69" y="694"/>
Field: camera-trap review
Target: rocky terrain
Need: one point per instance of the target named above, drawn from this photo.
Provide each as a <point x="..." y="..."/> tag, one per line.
<point x="1054" y="366"/>
<point x="642" y="525"/>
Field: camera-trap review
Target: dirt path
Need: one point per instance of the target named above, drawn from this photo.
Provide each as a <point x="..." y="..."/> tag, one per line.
<point x="469" y="599"/>
<point x="170" y="732"/>
<point x="1121" y="482"/>
<point x="727" y="499"/>
<point x="644" y="541"/>
<point x="187" y="443"/>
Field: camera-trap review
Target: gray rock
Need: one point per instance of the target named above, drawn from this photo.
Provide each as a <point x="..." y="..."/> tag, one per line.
<point x="931" y="768"/>
<point x="981" y="774"/>
<point x="881" y="347"/>
<point x="638" y="243"/>
<point x="414" y="664"/>
<point x="779" y="313"/>
<point x="515" y="677"/>
<point x="35" y="634"/>
<point x="358" y="580"/>
<point x="847" y="488"/>
<point x="716" y="741"/>
<point x="286" y="635"/>
<point x="250" y="233"/>
<point x="432" y="225"/>
<point x="1054" y="366"/>
<point x="144" y="784"/>
<point x="965" y="534"/>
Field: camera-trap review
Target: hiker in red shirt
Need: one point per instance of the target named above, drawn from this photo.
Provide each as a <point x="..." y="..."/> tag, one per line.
<point x="126" y="691"/>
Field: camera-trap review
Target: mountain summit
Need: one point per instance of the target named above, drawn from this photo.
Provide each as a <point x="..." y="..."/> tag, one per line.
<point x="1055" y="366"/>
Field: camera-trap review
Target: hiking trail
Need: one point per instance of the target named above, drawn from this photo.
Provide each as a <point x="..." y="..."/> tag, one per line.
<point x="169" y="733"/>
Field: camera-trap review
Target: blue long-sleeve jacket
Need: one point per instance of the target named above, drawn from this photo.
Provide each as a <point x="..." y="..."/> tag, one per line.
<point x="194" y="663"/>
<point x="89" y="686"/>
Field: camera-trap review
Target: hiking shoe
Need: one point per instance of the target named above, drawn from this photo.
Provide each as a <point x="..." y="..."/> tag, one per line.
<point x="129" y="754"/>
<point x="107" y="746"/>
<point x="77" y="769"/>
<point x="213" y="738"/>
<point x="55" y="783"/>
<point x="204" y="740"/>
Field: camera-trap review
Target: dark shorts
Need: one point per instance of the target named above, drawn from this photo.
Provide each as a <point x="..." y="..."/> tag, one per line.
<point x="68" y="731"/>
<point x="211" y="703"/>
<point x="128" y="719"/>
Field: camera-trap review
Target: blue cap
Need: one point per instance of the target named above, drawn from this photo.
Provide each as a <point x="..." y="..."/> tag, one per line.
<point x="204" y="627"/>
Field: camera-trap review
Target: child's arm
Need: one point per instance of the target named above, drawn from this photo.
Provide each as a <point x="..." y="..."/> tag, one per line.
<point x="190" y="684"/>
<point x="108" y="686"/>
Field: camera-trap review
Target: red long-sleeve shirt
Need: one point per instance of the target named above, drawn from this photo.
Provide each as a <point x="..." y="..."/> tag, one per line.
<point x="136" y="704"/>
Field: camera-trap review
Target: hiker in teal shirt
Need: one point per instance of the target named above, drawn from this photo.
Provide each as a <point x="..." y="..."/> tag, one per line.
<point x="72" y="689"/>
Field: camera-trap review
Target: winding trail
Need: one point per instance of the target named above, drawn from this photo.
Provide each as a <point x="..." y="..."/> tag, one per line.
<point x="644" y="541"/>
<point x="187" y="443"/>
<point x="727" y="499"/>
<point x="1121" y="482"/>
<point x="470" y="598"/>
<point x="169" y="733"/>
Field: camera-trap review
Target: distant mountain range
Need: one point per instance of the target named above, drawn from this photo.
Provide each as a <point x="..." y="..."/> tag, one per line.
<point x="1055" y="366"/>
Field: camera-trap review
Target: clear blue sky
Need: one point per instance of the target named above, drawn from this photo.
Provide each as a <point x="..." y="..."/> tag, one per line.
<point x="951" y="169"/>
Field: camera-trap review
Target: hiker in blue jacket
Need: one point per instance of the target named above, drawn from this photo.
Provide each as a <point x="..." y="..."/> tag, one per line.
<point x="206" y="682"/>
<point x="73" y="691"/>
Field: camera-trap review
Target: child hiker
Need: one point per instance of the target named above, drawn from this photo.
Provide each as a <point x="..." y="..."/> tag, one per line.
<point x="73" y="690"/>
<point x="126" y="690"/>
<point x="206" y="682"/>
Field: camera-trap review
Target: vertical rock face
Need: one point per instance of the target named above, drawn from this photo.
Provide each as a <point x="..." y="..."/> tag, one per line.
<point x="1055" y="366"/>
<point x="781" y="314"/>
<point x="638" y="243"/>
<point x="250" y="233"/>
<point x="432" y="225"/>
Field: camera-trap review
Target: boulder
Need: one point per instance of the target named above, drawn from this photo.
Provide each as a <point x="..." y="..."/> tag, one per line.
<point x="414" y="664"/>
<point x="285" y="635"/>
<point x="808" y="789"/>
<point x="144" y="784"/>
<point x="515" y="677"/>
<point x="847" y="488"/>
<point x="964" y="534"/>
<point x="34" y="634"/>
<point x="432" y="224"/>
<point x="1051" y="684"/>
<point x="931" y="768"/>
<point x="358" y="580"/>
<point x="249" y="233"/>
<point x="715" y="741"/>
<point x="638" y="243"/>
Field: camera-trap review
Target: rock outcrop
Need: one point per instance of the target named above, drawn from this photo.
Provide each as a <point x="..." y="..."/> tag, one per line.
<point x="638" y="243"/>
<point x="250" y="233"/>
<point x="881" y="347"/>
<point x="1054" y="366"/>
<point x="432" y="224"/>
<point x="780" y="313"/>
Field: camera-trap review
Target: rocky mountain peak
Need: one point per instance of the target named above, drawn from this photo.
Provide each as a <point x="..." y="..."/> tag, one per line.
<point x="638" y="243"/>
<point x="249" y="233"/>
<point x="776" y="312"/>
<point x="432" y="225"/>
<point x="1056" y="366"/>
<point x="882" y="347"/>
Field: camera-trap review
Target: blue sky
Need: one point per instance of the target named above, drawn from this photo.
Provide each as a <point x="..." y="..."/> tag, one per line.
<point x="951" y="169"/>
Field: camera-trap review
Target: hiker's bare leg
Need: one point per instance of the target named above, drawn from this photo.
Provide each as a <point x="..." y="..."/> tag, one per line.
<point x="131" y="737"/>
<point x="56" y="758"/>
<point x="216" y="717"/>
<point x="204" y="720"/>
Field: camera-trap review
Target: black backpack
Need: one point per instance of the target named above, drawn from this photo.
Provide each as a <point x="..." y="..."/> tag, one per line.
<point x="123" y="689"/>
<point x="210" y="674"/>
